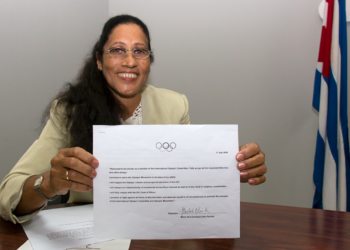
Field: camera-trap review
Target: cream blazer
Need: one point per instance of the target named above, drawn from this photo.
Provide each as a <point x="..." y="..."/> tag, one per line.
<point x="159" y="106"/>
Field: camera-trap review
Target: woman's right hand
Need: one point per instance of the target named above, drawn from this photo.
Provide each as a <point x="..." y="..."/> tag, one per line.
<point x="71" y="169"/>
<point x="80" y="166"/>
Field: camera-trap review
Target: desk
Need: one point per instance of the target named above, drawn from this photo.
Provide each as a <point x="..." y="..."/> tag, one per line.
<point x="262" y="227"/>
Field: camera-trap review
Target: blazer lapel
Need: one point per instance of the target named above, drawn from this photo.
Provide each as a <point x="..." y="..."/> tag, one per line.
<point x="145" y="102"/>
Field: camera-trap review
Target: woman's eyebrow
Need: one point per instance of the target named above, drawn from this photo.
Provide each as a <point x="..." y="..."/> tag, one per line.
<point x="140" y="44"/>
<point x="118" y="43"/>
<point x="125" y="44"/>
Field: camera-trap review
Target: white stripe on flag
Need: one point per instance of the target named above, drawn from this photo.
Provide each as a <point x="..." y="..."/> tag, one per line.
<point x="329" y="181"/>
<point x="319" y="67"/>
<point x="322" y="115"/>
<point x="341" y="177"/>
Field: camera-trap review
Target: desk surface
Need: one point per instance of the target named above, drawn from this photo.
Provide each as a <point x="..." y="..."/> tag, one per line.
<point x="262" y="227"/>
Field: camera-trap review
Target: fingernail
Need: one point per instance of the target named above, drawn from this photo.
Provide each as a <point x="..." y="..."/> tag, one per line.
<point x="95" y="163"/>
<point x="90" y="188"/>
<point x="241" y="165"/>
<point x="251" y="181"/>
<point x="244" y="174"/>
<point x="240" y="157"/>
<point x="93" y="174"/>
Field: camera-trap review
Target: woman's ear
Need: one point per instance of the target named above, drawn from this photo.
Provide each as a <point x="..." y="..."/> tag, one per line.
<point x="99" y="63"/>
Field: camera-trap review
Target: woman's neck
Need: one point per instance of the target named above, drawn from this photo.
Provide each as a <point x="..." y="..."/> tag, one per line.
<point x="129" y="104"/>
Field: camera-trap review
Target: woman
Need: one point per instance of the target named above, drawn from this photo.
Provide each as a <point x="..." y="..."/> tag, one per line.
<point x="110" y="90"/>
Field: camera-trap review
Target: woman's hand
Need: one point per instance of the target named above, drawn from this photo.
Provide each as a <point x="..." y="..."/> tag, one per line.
<point x="71" y="169"/>
<point x="251" y="163"/>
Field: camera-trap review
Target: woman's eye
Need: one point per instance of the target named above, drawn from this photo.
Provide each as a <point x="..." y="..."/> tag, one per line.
<point x="117" y="51"/>
<point x="139" y="51"/>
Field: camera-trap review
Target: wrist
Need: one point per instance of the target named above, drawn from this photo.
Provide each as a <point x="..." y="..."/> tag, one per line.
<point x="45" y="187"/>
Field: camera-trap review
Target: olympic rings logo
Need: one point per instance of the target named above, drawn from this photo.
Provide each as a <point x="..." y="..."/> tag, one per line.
<point x="166" y="146"/>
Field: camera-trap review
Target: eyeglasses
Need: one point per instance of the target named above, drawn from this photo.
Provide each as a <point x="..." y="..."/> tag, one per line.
<point x="120" y="53"/>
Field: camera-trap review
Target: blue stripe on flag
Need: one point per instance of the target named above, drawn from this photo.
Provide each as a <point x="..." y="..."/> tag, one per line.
<point x="343" y="95"/>
<point x="332" y="122"/>
<point x="332" y="116"/>
<point x="317" y="91"/>
<point x="319" y="171"/>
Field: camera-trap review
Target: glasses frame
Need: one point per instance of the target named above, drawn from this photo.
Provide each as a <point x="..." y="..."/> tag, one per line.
<point x="126" y="54"/>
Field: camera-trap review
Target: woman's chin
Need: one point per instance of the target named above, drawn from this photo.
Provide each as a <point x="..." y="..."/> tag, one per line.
<point x="128" y="93"/>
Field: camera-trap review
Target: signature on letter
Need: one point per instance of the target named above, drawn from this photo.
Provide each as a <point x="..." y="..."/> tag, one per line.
<point x="193" y="210"/>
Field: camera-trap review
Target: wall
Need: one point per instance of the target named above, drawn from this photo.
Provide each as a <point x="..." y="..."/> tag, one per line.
<point x="42" y="46"/>
<point x="247" y="62"/>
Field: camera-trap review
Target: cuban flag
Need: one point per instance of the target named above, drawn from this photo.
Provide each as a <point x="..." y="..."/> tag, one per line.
<point x="331" y="167"/>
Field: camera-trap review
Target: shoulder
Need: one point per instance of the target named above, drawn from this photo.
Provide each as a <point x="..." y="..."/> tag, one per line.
<point x="58" y="114"/>
<point x="150" y="90"/>
<point x="56" y="124"/>
<point x="162" y="97"/>
<point x="163" y="106"/>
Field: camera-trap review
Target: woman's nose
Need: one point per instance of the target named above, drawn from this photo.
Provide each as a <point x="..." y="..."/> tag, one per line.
<point x="129" y="60"/>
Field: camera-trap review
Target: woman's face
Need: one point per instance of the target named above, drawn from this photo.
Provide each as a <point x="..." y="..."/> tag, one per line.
<point x="126" y="77"/>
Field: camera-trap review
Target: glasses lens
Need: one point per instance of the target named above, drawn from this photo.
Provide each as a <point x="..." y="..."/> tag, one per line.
<point x="117" y="52"/>
<point x="141" y="53"/>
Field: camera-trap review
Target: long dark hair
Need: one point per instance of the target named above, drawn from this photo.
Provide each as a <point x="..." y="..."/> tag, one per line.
<point x="88" y="100"/>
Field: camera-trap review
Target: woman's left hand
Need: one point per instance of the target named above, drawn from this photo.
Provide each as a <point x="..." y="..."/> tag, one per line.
<point x="251" y="163"/>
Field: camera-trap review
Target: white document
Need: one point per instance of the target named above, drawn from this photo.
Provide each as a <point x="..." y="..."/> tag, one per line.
<point x="106" y="245"/>
<point x="166" y="182"/>
<point x="63" y="228"/>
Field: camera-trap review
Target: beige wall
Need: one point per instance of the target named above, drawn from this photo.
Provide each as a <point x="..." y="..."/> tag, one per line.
<point x="42" y="46"/>
<point x="258" y="71"/>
